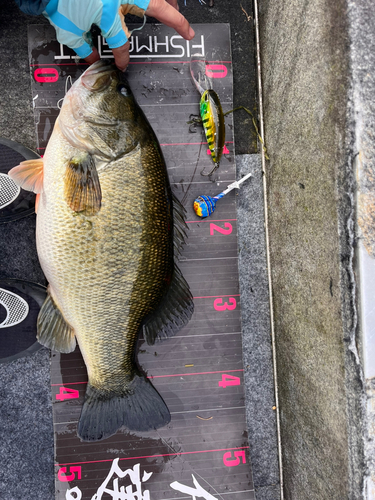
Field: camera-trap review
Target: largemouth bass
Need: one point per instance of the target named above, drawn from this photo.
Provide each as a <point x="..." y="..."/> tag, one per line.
<point x="108" y="229"/>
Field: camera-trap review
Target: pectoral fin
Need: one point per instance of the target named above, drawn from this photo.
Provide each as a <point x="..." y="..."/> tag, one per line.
<point x="37" y="199"/>
<point x="53" y="331"/>
<point x="82" y="186"/>
<point x="28" y="175"/>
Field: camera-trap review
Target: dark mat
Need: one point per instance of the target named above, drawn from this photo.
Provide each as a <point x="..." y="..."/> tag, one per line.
<point x="26" y="431"/>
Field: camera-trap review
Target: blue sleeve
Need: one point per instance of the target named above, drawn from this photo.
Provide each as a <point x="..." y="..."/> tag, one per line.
<point x="32" y="7"/>
<point x="142" y="4"/>
<point x="72" y="20"/>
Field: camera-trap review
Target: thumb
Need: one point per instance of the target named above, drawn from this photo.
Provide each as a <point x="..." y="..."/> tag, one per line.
<point x="121" y="55"/>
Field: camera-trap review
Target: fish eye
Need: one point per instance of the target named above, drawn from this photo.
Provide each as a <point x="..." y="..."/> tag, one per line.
<point x="122" y="89"/>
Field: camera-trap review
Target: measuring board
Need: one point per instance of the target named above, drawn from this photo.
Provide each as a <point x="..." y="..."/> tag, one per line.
<point x="203" y="452"/>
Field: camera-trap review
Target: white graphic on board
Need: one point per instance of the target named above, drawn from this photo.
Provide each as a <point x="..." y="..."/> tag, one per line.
<point x="170" y="47"/>
<point x="195" y="493"/>
<point x="110" y="486"/>
<point x="134" y="490"/>
<point x="74" y="494"/>
<point x="16" y="307"/>
<point x="8" y="190"/>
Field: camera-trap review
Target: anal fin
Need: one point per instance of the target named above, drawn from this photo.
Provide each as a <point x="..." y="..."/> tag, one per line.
<point x="53" y="331"/>
<point x="173" y="313"/>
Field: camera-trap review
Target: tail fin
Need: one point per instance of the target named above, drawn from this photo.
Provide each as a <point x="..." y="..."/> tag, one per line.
<point x="139" y="408"/>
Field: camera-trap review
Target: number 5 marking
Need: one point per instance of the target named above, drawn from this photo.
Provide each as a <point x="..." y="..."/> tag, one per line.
<point x="214" y="227"/>
<point x="232" y="462"/>
<point x="64" y="478"/>
<point x="220" y="306"/>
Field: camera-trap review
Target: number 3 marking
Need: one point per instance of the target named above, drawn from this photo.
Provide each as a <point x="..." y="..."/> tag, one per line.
<point x="220" y="306"/>
<point x="229" y="461"/>
<point x="64" y="478"/>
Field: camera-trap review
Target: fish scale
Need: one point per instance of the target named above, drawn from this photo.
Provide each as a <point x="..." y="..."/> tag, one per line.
<point x="125" y="194"/>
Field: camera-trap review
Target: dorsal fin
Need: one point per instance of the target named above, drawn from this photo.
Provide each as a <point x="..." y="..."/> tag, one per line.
<point x="82" y="186"/>
<point x="173" y="313"/>
<point x="29" y="175"/>
<point x="180" y="227"/>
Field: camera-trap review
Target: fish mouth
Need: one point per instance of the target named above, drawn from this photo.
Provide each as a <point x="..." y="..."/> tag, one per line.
<point x="98" y="76"/>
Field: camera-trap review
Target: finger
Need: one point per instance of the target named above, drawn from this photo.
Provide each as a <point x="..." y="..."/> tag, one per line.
<point x="168" y="15"/>
<point x="121" y="55"/>
<point x="93" y="57"/>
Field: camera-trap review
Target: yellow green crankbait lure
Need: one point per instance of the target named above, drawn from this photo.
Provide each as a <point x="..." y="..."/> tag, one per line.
<point x="213" y="123"/>
<point x="210" y="110"/>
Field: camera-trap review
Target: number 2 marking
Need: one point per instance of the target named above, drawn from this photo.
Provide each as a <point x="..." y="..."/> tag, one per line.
<point x="214" y="227"/>
<point x="220" y="306"/>
<point x="64" y="478"/>
<point x="66" y="393"/>
<point x="229" y="461"/>
<point x="229" y="380"/>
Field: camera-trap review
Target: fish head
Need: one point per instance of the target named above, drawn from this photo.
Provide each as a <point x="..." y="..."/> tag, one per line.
<point x="99" y="113"/>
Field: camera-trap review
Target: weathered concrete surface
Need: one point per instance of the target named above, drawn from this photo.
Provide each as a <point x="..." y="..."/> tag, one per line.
<point x="362" y="35"/>
<point x="309" y="137"/>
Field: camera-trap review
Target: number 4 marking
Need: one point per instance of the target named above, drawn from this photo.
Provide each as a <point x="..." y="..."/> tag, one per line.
<point x="229" y="380"/>
<point x="66" y="393"/>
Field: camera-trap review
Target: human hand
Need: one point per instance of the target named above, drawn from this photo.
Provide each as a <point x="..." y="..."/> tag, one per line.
<point x="113" y="27"/>
<point x="165" y="11"/>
